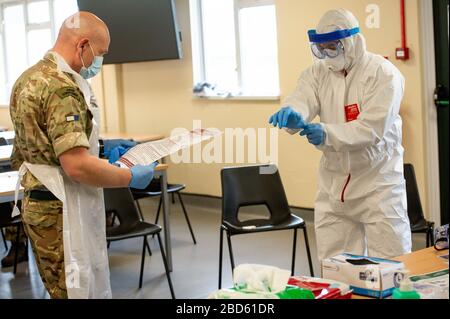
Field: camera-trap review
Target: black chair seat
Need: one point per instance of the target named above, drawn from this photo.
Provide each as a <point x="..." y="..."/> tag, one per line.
<point x="154" y="189"/>
<point x="6" y="221"/>
<point x="420" y="226"/>
<point x="264" y="225"/>
<point x="137" y="230"/>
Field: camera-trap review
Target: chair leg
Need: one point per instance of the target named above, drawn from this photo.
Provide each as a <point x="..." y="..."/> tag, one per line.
<point x="308" y="252"/>
<point x="230" y="248"/>
<point x="187" y="218"/>
<point x="148" y="248"/>
<point x="166" y="267"/>
<point x="142" y="262"/>
<point x="220" y="257"/>
<point x="173" y="198"/>
<point x="141" y="215"/>
<point x="157" y="213"/>
<point x="294" y="248"/>
<point x="4" y="240"/>
<point x="17" y="248"/>
<point x="430" y="235"/>
<point x="159" y="210"/>
<point x="109" y="244"/>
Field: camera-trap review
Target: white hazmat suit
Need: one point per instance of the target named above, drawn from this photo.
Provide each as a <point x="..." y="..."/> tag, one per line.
<point x="361" y="203"/>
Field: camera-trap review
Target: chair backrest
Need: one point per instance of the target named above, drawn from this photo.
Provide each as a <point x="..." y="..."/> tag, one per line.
<point x="3" y="141"/>
<point x="120" y="201"/>
<point x="415" y="211"/>
<point x="5" y="214"/>
<point x="246" y="186"/>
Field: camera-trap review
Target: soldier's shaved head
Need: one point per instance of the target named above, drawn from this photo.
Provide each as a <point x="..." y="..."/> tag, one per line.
<point x="79" y="34"/>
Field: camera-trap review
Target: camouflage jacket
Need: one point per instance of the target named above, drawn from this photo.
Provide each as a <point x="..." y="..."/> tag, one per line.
<point x="50" y="116"/>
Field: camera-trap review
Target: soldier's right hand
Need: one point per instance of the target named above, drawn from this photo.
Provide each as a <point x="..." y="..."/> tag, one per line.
<point x="141" y="176"/>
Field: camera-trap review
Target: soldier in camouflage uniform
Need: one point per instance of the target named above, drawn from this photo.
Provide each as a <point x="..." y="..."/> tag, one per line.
<point x="52" y="122"/>
<point x="41" y="100"/>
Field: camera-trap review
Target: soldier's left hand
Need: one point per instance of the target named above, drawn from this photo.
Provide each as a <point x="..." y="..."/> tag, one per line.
<point x="109" y="145"/>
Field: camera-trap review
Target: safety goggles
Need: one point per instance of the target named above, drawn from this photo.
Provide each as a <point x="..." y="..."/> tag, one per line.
<point x="329" y="49"/>
<point x="328" y="44"/>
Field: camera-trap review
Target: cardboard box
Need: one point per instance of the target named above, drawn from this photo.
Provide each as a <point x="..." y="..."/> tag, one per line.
<point x="367" y="276"/>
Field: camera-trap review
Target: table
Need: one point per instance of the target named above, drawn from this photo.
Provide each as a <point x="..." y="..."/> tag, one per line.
<point x="5" y="154"/>
<point x="8" y="136"/>
<point x="140" y="138"/>
<point x="424" y="261"/>
<point x="8" y="182"/>
<point x="420" y="262"/>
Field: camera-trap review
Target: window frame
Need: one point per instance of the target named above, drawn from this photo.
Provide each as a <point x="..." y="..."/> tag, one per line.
<point x="28" y="27"/>
<point x="198" y="47"/>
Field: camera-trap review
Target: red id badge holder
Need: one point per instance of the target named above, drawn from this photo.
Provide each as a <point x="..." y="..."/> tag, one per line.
<point x="351" y="112"/>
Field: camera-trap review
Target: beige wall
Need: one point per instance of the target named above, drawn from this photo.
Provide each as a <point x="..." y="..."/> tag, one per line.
<point x="5" y="119"/>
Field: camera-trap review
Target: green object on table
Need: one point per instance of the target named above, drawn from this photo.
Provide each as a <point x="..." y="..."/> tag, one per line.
<point x="406" y="289"/>
<point x="398" y="294"/>
<point x="295" y="293"/>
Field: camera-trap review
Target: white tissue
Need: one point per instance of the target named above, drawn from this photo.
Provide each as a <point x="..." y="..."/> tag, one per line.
<point x="259" y="278"/>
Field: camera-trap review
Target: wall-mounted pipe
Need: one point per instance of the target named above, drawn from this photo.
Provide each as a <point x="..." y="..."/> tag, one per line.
<point x="403" y="52"/>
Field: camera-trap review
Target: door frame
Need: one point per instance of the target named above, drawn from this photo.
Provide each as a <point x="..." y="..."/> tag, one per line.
<point x="431" y="155"/>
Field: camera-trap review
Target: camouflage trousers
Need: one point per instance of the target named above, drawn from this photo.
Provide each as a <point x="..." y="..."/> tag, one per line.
<point x="43" y="224"/>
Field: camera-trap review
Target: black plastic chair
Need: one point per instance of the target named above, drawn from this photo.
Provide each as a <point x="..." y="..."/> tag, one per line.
<point x="415" y="212"/>
<point x="154" y="189"/>
<point x="7" y="221"/>
<point x="120" y="202"/>
<point x="246" y="186"/>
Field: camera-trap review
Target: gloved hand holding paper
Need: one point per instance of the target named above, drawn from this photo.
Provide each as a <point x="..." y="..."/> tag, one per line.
<point x="148" y="153"/>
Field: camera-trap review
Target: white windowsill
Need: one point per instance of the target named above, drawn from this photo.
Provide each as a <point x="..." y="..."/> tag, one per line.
<point x="238" y="98"/>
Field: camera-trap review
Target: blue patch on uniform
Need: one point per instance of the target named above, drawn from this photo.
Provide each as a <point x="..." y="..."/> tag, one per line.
<point x="72" y="118"/>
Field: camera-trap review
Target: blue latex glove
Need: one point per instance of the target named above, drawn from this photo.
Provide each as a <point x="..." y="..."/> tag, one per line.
<point x="116" y="153"/>
<point x="315" y="134"/>
<point x="109" y="145"/>
<point x="141" y="176"/>
<point x="287" y="117"/>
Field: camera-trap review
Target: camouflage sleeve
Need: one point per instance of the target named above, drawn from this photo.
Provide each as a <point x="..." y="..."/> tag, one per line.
<point x="67" y="120"/>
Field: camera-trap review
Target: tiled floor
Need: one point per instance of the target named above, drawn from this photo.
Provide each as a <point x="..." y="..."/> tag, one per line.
<point x="195" y="272"/>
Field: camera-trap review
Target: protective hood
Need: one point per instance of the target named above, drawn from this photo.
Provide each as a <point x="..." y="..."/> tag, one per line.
<point x="354" y="46"/>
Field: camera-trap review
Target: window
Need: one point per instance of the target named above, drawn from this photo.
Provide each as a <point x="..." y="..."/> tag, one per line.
<point x="235" y="49"/>
<point x="28" y="28"/>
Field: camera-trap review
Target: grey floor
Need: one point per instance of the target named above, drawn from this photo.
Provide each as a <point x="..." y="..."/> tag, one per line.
<point x="195" y="272"/>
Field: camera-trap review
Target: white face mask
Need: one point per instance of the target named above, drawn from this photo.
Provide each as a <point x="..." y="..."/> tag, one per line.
<point x="336" y="64"/>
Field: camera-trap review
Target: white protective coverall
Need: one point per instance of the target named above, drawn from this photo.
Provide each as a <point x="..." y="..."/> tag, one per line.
<point x="361" y="205"/>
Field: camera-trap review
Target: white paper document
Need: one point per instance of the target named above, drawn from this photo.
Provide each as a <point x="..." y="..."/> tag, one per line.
<point x="148" y="153"/>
